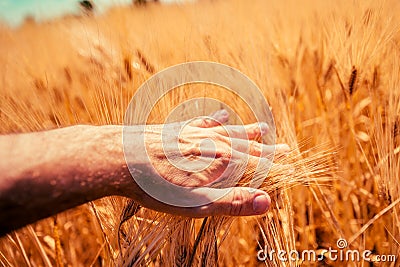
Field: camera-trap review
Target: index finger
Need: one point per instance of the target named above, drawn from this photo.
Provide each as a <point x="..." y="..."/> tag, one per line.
<point x="249" y="131"/>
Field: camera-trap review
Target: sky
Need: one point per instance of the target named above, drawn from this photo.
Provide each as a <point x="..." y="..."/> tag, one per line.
<point x="14" y="11"/>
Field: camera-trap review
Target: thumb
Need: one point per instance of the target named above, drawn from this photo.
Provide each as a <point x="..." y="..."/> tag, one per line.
<point x="235" y="201"/>
<point x="239" y="201"/>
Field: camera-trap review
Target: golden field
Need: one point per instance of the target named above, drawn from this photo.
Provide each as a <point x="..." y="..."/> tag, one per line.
<point x="329" y="71"/>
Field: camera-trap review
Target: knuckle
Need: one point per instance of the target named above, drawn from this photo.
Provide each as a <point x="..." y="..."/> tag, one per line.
<point x="253" y="130"/>
<point x="255" y="147"/>
<point x="213" y="135"/>
<point x="204" y="122"/>
<point x="226" y="141"/>
<point x="224" y="151"/>
<point x="207" y="122"/>
<point x="219" y="137"/>
<point x="216" y="134"/>
<point x="236" y="205"/>
<point x="194" y="150"/>
<point x="254" y="144"/>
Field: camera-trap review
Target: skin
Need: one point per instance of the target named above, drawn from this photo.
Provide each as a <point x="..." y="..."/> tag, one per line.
<point x="44" y="173"/>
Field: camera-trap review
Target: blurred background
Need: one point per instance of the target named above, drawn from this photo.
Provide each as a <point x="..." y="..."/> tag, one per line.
<point x="329" y="70"/>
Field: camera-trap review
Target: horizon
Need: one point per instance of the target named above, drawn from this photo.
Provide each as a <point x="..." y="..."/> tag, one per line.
<point x="13" y="13"/>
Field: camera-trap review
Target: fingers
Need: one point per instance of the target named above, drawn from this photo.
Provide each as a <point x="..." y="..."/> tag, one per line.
<point x="238" y="201"/>
<point x="249" y="131"/>
<point x="216" y="119"/>
<point x="257" y="149"/>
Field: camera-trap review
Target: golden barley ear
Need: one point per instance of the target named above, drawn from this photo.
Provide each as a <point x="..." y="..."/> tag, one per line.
<point x="129" y="210"/>
<point x="352" y="80"/>
<point x="146" y="63"/>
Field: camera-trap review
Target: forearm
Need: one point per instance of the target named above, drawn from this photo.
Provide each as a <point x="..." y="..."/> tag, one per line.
<point x="47" y="172"/>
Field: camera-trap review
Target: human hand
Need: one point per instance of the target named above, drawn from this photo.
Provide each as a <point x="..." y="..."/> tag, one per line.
<point x="201" y="155"/>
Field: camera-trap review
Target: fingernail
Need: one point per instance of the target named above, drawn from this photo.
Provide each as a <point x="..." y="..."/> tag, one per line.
<point x="251" y="190"/>
<point x="264" y="128"/>
<point x="261" y="203"/>
<point x="282" y="148"/>
<point x="223" y="112"/>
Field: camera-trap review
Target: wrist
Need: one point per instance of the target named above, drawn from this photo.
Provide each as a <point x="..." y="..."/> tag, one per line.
<point x="112" y="168"/>
<point x="105" y="154"/>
